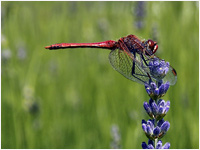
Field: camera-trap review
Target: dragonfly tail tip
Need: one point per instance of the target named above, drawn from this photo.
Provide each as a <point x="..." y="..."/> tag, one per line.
<point x="47" y="47"/>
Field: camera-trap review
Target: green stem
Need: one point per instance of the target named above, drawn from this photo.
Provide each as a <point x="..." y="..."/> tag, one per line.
<point x="156" y="140"/>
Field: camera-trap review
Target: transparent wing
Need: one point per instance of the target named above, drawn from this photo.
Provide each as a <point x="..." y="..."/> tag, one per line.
<point x="123" y="63"/>
<point x="171" y="76"/>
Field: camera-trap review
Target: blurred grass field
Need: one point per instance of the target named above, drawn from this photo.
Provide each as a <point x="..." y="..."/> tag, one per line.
<point x="72" y="98"/>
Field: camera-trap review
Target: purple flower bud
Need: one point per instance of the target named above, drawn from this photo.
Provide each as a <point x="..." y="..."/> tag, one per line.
<point x="149" y="130"/>
<point x="144" y="145"/>
<point x="165" y="126"/>
<point x="150" y="142"/>
<point x="154" y="108"/>
<point x="156" y="62"/>
<point x="153" y="86"/>
<point x="150" y="123"/>
<point x="151" y="101"/>
<point x="162" y="89"/>
<point x="160" y="122"/>
<point x="166" y="146"/>
<point x="147" y="107"/>
<point x="148" y="89"/>
<point x="166" y="109"/>
<point x="156" y="91"/>
<point x="143" y="121"/>
<point x="161" y="103"/>
<point x="150" y="146"/>
<point x="156" y="131"/>
<point x="144" y="127"/>
<point x="161" y="111"/>
<point x="159" y="145"/>
<point x="167" y="104"/>
<point x="166" y="86"/>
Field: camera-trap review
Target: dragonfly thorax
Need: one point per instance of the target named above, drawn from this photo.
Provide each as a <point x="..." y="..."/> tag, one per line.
<point x="133" y="44"/>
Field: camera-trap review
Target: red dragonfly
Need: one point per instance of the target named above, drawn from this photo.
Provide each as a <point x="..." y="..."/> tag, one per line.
<point x="129" y="56"/>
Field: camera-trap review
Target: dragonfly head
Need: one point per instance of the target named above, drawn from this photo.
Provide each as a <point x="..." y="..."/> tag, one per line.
<point x="151" y="46"/>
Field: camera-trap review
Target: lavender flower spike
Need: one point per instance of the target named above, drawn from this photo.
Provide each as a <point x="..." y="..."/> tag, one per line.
<point x="155" y="128"/>
<point x="155" y="132"/>
<point x="154" y="91"/>
<point x="157" y="111"/>
<point x="157" y="146"/>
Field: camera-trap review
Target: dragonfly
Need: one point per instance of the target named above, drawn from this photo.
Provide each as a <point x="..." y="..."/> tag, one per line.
<point x="129" y="56"/>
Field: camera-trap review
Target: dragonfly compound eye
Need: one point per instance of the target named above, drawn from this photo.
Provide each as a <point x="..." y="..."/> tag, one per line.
<point x="150" y="44"/>
<point x="155" y="48"/>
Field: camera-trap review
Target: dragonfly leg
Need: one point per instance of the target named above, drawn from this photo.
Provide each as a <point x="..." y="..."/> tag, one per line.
<point x="133" y="70"/>
<point x="142" y="75"/>
<point x="142" y="57"/>
<point x="133" y="67"/>
<point x="138" y="78"/>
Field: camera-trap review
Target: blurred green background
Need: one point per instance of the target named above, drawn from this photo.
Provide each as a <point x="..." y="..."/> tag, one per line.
<point x="73" y="98"/>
